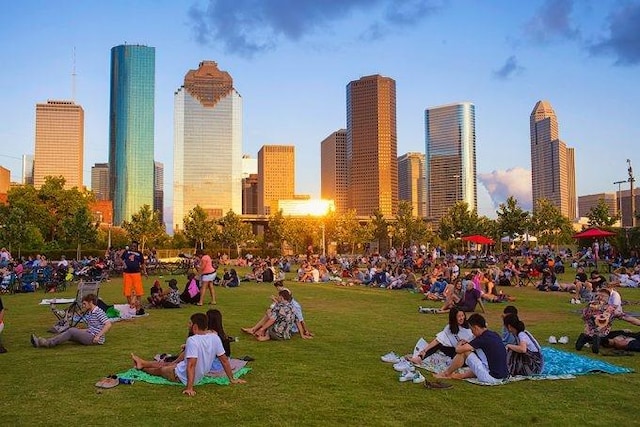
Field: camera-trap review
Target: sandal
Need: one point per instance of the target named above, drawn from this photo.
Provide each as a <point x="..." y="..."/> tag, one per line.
<point x="437" y="385"/>
<point x="108" y="382"/>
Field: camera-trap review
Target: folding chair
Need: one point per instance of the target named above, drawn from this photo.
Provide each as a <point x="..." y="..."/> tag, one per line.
<point x="72" y="314"/>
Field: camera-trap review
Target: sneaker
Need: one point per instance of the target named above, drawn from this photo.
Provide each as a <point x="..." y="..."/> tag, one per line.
<point x="418" y="378"/>
<point x="553" y="339"/>
<point x="578" y="301"/>
<point x="407" y="376"/>
<point x="422" y="309"/>
<point x="390" y="357"/>
<point x="573" y="301"/>
<point x="403" y="365"/>
<point x="35" y="341"/>
<point x="563" y="340"/>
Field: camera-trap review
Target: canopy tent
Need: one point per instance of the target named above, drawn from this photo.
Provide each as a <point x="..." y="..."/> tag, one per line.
<point x="593" y="233"/>
<point x="478" y="239"/>
<point x="525" y="238"/>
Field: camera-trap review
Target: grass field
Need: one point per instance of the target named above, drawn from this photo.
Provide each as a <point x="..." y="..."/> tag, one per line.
<point x="335" y="379"/>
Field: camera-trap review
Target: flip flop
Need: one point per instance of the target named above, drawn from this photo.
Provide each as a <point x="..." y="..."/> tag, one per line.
<point x="107" y="382"/>
<point x="437" y="385"/>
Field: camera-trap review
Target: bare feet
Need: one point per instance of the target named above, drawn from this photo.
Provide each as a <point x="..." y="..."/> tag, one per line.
<point x="137" y="362"/>
<point x="248" y="331"/>
<point x="441" y="375"/>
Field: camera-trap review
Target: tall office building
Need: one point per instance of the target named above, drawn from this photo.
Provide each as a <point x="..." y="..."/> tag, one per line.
<point x="158" y="189"/>
<point x="553" y="174"/>
<point x="250" y="195"/>
<point x="5" y="184"/>
<point x="412" y="186"/>
<point x="27" y="169"/>
<point x="276" y="176"/>
<point x="372" y="159"/>
<point x="333" y="169"/>
<point x="207" y="161"/>
<point x="590" y="201"/>
<point x="100" y="181"/>
<point x="450" y="158"/>
<point x="59" y="143"/>
<point x="131" y="121"/>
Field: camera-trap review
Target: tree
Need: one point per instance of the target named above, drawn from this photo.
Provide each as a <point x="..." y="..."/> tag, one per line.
<point x="380" y="227"/>
<point x="198" y="227"/>
<point x="17" y="229"/>
<point x="80" y="228"/>
<point x="512" y="219"/>
<point x="410" y="229"/>
<point x="599" y="215"/>
<point x="145" y="227"/>
<point x="348" y="230"/>
<point x="274" y="235"/>
<point x="233" y="231"/>
<point x="460" y="221"/>
<point x="549" y="225"/>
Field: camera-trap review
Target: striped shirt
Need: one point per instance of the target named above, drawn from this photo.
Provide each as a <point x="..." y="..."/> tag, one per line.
<point x="96" y="319"/>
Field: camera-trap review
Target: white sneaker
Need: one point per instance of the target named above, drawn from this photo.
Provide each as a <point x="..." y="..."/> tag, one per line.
<point x="407" y="376"/>
<point x="403" y="365"/>
<point x="573" y="300"/>
<point x="563" y="340"/>
<point x="578" y="301"/>
<point x="390" y="357"/>
<point x="418" y="378"/>
<point x="553" y="340"/>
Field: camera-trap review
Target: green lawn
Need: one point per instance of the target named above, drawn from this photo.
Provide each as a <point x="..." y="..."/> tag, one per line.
<point x="336" y="378"/>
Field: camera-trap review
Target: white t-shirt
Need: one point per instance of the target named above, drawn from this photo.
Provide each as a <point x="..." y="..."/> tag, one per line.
<point x="449" y="339"/>
<point x="532" y="344"/>
<point x="205" y="348"/>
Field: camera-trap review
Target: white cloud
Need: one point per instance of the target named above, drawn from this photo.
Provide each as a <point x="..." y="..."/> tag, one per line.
<point x="501" y="184"/>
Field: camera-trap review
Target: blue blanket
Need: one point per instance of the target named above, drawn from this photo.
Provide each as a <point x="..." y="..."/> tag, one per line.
<point x="559" y="362"/>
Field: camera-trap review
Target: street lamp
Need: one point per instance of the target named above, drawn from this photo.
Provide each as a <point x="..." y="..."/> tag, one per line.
<point x="619" y="199"/>
<point x="633" y="201"/>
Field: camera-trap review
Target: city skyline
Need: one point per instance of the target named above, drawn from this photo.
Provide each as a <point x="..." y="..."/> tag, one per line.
<point x="581" y="56"/>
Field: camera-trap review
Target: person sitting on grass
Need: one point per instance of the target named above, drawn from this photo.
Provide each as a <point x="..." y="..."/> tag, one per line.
<point x="155" y="295"/>
<point x="446" y="340"/>
<point x="2" y="349"/>
<point x="507" y="336"/>
<point x="489" y="365"/>
<point x="191" y="293"/>
<point x="598" y="317"/>
<point x="98" y="325"/>
<point x="171" y="299"/>
<point x="278" y="321"/>
<point x="200" y="350"/>
<point x="525" y="356"/>
<point x="470" y="300"/>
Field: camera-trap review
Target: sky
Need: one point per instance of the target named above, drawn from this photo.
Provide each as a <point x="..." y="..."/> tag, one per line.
<point x="292" y="59"/>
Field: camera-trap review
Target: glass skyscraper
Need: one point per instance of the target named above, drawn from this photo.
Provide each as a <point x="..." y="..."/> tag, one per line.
<point x="131" y="121"/>
<point x="450" y="157"/>
<point x="207" y="154"/>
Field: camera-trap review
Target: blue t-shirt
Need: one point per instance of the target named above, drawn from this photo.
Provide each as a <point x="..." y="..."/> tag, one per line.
<point x="491" y="344"/>
<point x="132" y="261"/>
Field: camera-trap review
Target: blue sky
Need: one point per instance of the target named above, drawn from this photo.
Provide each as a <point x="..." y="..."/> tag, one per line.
<point x="291" y="60"/>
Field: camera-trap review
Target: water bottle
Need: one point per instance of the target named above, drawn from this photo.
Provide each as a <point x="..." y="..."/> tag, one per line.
<point x="125" y="381"/>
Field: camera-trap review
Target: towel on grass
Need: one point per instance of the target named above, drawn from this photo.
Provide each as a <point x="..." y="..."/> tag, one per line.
<point x="212" y="377"/>
<point x="558" y="365"/>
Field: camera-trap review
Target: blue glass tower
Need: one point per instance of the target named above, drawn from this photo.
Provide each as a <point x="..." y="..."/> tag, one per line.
<point x="450" y="157"/>
<point x="131" y="121"/>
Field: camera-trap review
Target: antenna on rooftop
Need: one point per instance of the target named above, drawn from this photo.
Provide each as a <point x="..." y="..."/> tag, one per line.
<point x="73" y="77"/>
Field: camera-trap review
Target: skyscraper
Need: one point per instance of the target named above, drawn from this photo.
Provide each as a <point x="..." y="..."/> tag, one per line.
<point x="411" y="182"/>
<point x="131" y="121"/>
<point x="207" y="163"/>
<point x="553" y="175"/>
<point x="450" y="157"/>
<point x="100" y="181"/>
<point x="59" y="143"/>
<point x="158" y="189"/>
<point x="333" y="169"/>
<point x="372" y="159"/>
<point x="27" y="169"/>
<point x="276" y="176"/>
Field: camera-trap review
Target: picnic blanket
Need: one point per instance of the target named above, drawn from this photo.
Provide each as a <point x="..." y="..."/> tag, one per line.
<point x="213" y="377"/>
<point x="558" y="365"/>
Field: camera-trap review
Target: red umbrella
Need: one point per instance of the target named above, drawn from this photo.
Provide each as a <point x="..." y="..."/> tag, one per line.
<point x="479" y="239"/>
<point x="593" y="233"/>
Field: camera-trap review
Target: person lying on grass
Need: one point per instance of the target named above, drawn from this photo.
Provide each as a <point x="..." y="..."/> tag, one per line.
<point x="200" y="351"/>
<point x="622" y="340"/>
<point x="280" y="319"/>
<point x="446" y="340"/>
<point x="489" y="365"/>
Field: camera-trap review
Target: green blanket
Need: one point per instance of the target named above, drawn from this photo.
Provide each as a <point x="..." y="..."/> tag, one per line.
<point x="138" y="375"/>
